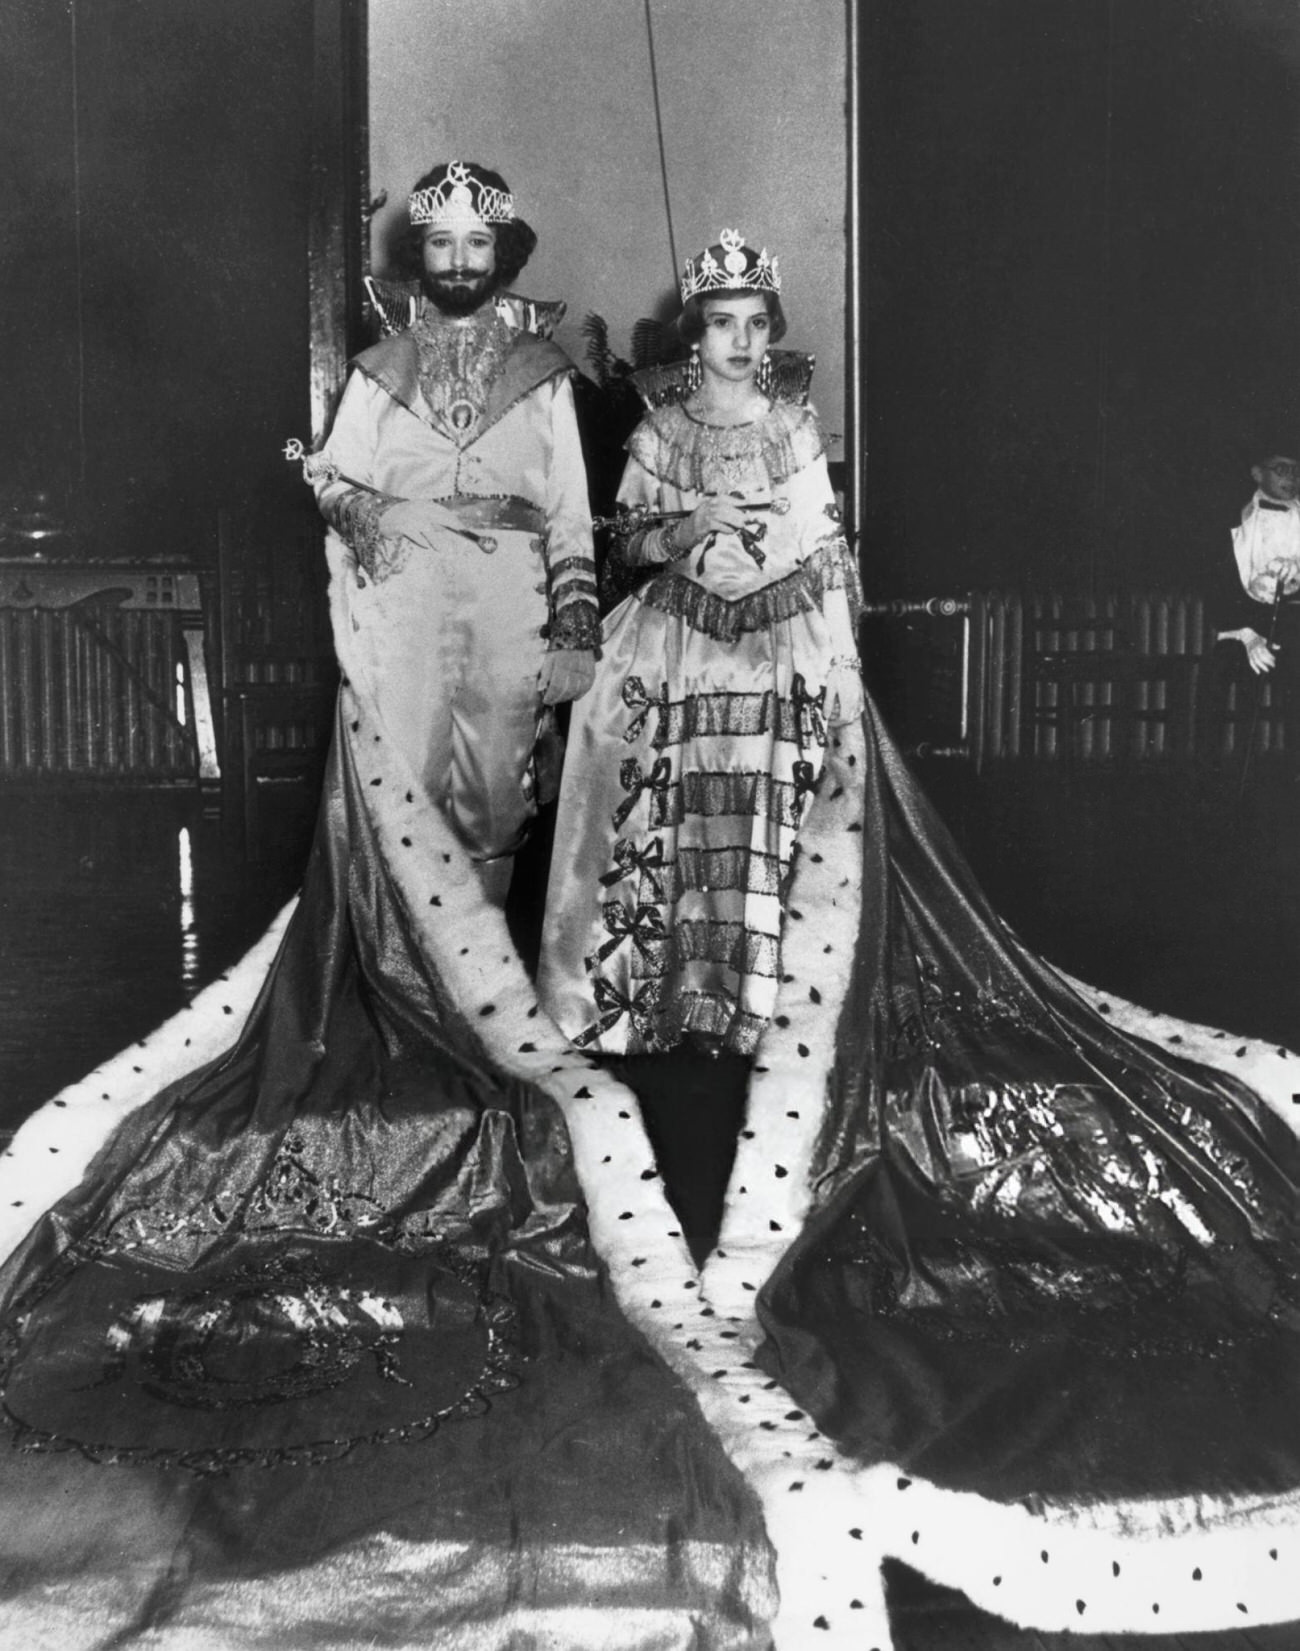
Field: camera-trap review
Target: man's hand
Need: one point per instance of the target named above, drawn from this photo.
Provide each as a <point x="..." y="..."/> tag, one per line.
<point x="418" y="520"/>
<point x="566" y="674"/>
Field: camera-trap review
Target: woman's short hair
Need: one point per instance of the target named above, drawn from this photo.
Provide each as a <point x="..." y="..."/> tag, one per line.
<point x="690" y="323"/>
<point x="515" y="241"/>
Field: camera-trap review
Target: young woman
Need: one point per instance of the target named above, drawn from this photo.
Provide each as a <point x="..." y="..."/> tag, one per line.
<point x="1045" y="1292"/>
<point x="693" y="760"/>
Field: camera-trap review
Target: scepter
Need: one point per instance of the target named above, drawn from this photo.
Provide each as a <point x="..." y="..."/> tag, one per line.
<point x="629" y="519"/>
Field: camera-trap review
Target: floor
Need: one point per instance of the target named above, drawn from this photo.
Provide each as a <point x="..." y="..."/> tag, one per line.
<point x="1172" y="887"/>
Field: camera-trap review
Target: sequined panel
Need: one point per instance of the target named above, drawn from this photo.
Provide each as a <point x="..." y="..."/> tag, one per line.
<point x="280" y="1339"/>
<point x="797" y="719"/>
<point x="727" y="620"/>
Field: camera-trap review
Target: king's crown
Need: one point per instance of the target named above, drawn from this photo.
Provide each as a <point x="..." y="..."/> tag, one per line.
<point x="461" y="198"/>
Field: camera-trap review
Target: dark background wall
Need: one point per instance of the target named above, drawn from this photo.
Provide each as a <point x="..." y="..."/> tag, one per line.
<point x="1083" y="284"/>
<point x="154" y="173"/>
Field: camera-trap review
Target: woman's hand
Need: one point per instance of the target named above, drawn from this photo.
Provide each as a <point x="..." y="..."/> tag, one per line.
<point x="566" y="674"/>
<point x="716" y="514"/>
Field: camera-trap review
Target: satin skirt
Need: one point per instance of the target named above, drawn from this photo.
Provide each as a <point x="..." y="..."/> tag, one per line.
<point x="689" y="767"/>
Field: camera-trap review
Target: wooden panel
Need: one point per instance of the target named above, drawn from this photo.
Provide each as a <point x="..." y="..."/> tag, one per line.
<point x="155" y="329"/>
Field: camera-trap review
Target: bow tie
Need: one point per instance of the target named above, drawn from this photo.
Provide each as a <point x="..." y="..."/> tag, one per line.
<point x="1271" y="504"/>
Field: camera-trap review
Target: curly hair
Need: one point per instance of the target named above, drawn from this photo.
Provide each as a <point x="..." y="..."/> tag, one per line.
<point x="690" y="323"/>
<point x="515" y="241"/>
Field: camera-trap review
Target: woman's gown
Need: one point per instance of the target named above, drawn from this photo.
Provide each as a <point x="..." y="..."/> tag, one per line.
<point x="692" y="760"/>
<point x="314" y="1348"/>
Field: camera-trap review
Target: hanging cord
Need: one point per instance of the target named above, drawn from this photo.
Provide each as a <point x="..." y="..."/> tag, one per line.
<point x="659" y="129"/>
<point x="1100" y="487"/>
<point x="79" y="259"/>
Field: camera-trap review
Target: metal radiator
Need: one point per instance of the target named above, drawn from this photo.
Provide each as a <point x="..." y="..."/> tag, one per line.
<point x="102" y="676"/>
<point x="1118" y="677"/>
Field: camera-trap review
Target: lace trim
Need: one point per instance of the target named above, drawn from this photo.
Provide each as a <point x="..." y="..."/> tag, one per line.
<point x="703" y="610"/>
<point x="575" y="627"/>
<point x="709" y="795"/>
<point x="798" y="720"/>
<point x="694" y="457"/>
<point x="708" y="870"/>
<point x="459" y="363"/>
<point x="654" y="1027"/>
<point x="711" y="1015"/>
<point x="695" y="871"/>
<point x="653" y="546"/>
<point x="356" y="515"/>
<point x="734" y="945"/>
<point x="750" y="795"/>
<point x="837" y="546"/>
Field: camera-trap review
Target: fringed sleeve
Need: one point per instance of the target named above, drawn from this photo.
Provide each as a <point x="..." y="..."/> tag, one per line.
<point x="571" y="564"/>
<point x="355" y="513"/>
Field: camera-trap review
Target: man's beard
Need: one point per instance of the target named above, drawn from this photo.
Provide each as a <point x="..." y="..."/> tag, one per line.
<point x="459" y="294"/>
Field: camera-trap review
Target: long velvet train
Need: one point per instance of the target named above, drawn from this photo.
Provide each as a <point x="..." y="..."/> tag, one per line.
<point x="832" y="1519"/>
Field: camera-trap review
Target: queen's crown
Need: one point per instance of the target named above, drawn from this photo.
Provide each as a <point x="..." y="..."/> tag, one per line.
<point x="730" y="266"/>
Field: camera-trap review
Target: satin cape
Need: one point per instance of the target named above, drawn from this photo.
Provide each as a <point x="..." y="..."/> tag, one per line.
<point x="373" y="1324"/>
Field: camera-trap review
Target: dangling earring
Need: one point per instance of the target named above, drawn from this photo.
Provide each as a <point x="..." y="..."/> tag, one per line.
<point x="694" y="372"/>
<point x="763" y="374"/>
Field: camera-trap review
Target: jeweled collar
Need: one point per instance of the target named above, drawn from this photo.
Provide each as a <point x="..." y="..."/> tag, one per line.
<point x="394" y="365"/>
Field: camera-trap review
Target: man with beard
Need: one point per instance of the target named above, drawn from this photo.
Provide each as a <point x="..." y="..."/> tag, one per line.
<point x="454" y="463"/>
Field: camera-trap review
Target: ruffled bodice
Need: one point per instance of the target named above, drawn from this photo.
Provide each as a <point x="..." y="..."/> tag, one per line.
<point x="796" y="550"/>
<point x="693" y="456"/>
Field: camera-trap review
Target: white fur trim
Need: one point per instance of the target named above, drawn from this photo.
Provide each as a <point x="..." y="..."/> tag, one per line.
<point x="769" y="1193"/>
<point x="1056" y="1571"/>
